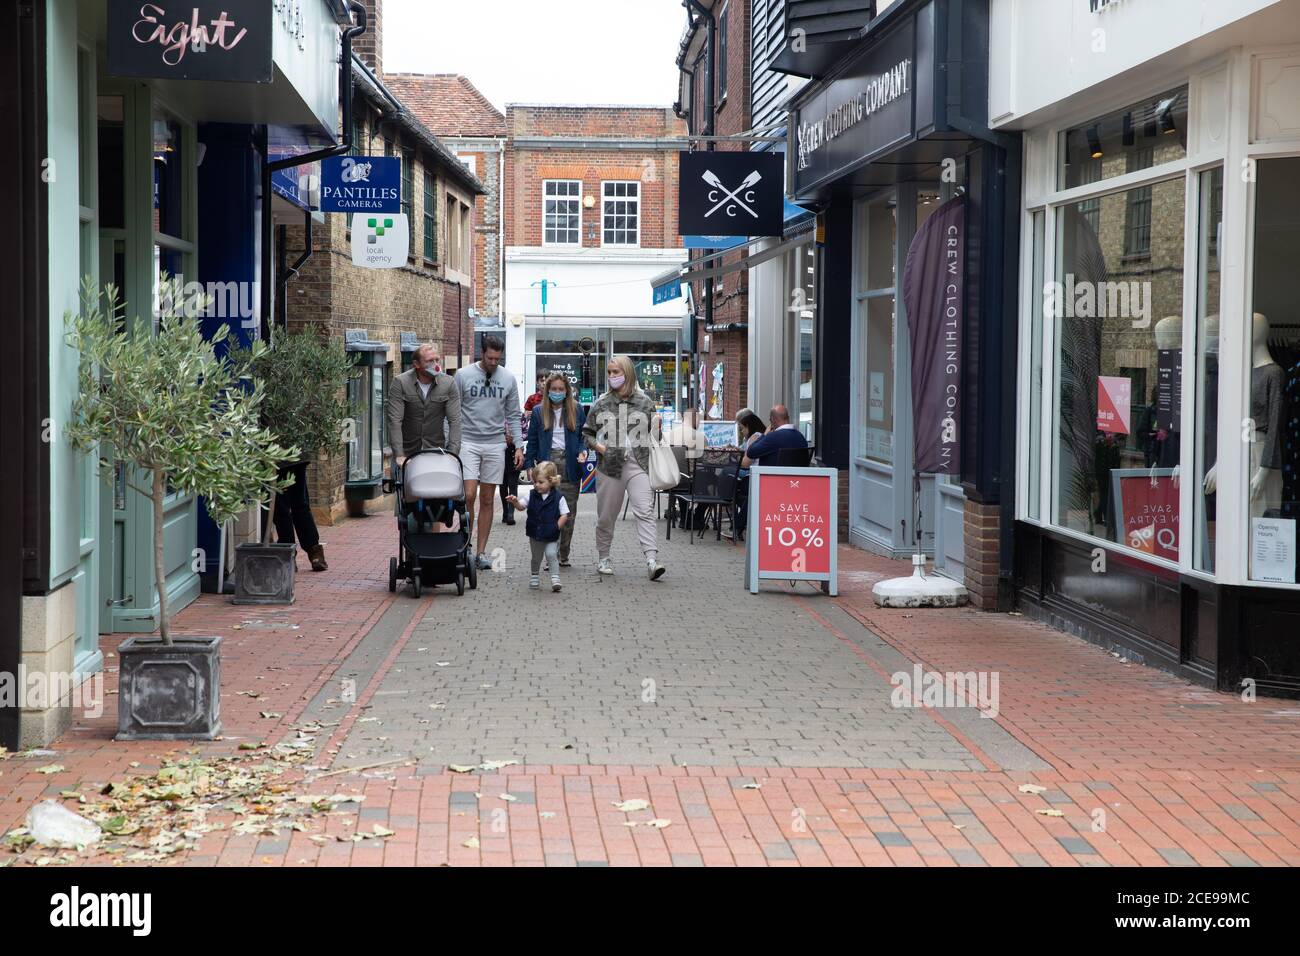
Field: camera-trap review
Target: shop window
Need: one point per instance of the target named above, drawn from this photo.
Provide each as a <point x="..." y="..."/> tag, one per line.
<point x="1034" y="413"/>
<point x="169" y="161"/>
<point x="111" y="135"/>
<point x="1118" y="376"/>
<point x="801" y="289"/>
<point x="561" y="212"/>
<point x="655" y="358"/>
<point x="1271" y="432"/>
<point x="1208" y="281"/>
<point x="367" y="391"/>
<point x="877" y="252"/>
<point x="1157" y="126"/>
<point x="562" y="352"/>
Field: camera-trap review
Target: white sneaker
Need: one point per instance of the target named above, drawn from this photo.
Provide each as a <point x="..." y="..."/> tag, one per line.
<point x="655" y="570"/>
<point x="605" y="566"/>
<point x="535" y="582"/>
<point x="555" y="582"/>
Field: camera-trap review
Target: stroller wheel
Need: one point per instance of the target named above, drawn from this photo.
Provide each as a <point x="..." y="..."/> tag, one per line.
<point x="460" y="584"/>
<point x="415" y="584"/>
<point x="392" y="574"/>
<point x="472" y="564"/>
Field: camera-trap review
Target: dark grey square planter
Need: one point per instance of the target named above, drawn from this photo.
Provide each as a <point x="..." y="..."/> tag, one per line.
<point x="169" y="693"/>
<point x="264" y="573"/>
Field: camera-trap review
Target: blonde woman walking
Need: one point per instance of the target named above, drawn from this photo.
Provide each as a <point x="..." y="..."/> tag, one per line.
<point x="620" y="427"/>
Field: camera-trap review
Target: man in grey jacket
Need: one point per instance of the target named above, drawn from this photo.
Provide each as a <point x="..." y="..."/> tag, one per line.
<point x="489" y="401"/>
<point x="423" y="408"/>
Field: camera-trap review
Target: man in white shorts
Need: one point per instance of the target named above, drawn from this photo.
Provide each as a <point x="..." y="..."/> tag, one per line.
<point x="489" y="405"/>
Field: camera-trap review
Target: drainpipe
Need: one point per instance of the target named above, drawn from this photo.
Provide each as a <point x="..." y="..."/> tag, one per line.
<point x="501" y="233"/>
<point x="710" y="117"/>
<point x="270" y="166"/>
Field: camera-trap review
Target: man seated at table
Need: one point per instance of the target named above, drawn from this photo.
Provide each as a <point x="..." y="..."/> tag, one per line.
<point x="781" y="435"/>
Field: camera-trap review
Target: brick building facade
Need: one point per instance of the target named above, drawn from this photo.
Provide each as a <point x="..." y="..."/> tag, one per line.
<point x="429" y="296"/>
<point x="590" y="216"/>
<point x="726" y="340"/>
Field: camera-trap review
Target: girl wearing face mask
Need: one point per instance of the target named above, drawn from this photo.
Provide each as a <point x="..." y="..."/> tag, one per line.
<point x="620" y="427"/>
<point x="555" y="435"/>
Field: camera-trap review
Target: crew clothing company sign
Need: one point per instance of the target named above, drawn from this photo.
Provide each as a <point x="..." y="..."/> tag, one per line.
<point x="731" y="194"/>
<point x="361" y="184"/>
<point x="230" y="40"/>
<point x="380" y="241"/>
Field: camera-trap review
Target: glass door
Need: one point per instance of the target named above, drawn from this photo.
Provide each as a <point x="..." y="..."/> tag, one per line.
<point x="871" y="494"/>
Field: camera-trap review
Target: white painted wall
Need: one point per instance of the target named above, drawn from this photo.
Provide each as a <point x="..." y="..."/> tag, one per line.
<point x="1044" y="51"/>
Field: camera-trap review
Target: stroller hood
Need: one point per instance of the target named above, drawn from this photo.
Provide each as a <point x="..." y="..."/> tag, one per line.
<point x="433" y="475"/>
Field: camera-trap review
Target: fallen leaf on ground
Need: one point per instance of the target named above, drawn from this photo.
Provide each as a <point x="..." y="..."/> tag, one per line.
<point x="1050" y="813"/>
<point x="508" y="797"/>
<point x="630" y="806"/>
<point x="271" y="715"/>
<point x="659" y="824"/>
<point x="383" y="831"/>
<point x="1031" y="788"/>
<point x="460" y="768"/>
<point x="472" y="843"/>
<point x="496" y="764"/>
<point x="50" y="768"/>
<point x="546" y="814"/>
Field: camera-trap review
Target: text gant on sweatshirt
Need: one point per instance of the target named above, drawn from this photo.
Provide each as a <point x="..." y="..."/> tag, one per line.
<point x="487" y="405"/>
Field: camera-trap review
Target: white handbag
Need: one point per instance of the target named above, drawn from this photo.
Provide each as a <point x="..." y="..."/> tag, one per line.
<point x="664" y="473"/>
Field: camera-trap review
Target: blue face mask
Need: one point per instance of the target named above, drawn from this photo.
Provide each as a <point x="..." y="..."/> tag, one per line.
<point x="558" y="397"/>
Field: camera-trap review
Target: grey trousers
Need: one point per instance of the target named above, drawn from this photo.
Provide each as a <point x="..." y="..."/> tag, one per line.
<point x="570" y="490"/>
<point x="634" y="483"/>
<point x="549" y="550"/>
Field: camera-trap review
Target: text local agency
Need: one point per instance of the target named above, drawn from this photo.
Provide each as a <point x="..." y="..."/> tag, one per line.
<point x="879" y="93"/>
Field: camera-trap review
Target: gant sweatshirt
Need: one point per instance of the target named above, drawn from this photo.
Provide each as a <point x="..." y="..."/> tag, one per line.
<point x="488" y="406"/>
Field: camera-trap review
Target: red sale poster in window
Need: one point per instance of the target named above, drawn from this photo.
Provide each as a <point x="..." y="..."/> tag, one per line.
<point x="1148" y="511"/>
<point x="1114" y="404"/>
<point x="792" y="528"/>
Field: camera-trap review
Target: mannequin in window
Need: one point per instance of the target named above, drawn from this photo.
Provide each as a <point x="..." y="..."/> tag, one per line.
<point x="1267" y="406"/>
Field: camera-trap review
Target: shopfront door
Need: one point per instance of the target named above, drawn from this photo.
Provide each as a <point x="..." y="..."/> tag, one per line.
<point x="890" y="512"/>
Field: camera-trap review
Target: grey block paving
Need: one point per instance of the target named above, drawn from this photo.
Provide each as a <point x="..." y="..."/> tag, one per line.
<point x="690" y="670"/>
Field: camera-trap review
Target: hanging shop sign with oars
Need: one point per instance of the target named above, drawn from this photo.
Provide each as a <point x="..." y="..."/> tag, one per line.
<point x="732" y="193"/>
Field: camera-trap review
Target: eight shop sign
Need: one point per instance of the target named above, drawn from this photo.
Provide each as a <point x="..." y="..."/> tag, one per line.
<point x="230" y="40"/>
<point x="367" y="184"/>
<point x="731" y="193"/>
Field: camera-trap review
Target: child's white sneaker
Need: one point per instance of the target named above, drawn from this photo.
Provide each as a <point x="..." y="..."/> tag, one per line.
<point x="605" y="566"/>
<point x="555" y="582"/>
<point x="654" y="569"/>
<point x="535" y="582"/>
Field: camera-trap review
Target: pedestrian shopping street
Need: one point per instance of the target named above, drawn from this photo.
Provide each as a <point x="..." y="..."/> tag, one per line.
<point x="518" y="727"/>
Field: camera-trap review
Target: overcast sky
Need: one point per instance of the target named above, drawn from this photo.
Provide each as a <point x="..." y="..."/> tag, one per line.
<point x="542" y="51"/>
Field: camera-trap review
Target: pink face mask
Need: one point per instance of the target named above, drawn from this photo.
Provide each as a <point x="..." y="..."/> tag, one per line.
<point x="616" y="381"/>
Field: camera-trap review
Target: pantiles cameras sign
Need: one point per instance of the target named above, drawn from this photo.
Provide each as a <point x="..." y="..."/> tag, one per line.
<point x="353" y="184"/>
<point x="733" y="193"/>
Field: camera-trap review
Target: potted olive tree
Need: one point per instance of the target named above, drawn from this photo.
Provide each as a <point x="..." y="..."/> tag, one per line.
<point x="181" y="418"/>
<point x="302" y="377"/>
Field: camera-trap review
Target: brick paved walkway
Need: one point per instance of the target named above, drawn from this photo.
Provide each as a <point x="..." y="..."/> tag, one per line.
<point x="760" y="728"/>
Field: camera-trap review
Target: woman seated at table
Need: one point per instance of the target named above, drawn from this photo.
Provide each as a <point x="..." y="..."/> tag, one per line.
<point x="750" y="427"/>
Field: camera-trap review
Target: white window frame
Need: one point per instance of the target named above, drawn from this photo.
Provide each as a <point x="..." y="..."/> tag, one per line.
<point x="605" y="184"/>
<point x="578" y="199"/>
<point x="1232" y="540"/>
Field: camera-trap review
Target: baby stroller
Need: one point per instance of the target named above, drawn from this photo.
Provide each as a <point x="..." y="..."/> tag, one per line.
<point x="433" y="525"/>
